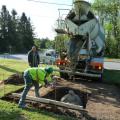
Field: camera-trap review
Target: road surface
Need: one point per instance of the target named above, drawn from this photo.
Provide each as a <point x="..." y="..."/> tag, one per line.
<point x="15" y="56"/>
<point x="115" y="65"/>
<point x="112" y="65"/>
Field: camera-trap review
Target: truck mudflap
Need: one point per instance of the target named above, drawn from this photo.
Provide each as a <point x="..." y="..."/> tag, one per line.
<point x="79" y="73"/>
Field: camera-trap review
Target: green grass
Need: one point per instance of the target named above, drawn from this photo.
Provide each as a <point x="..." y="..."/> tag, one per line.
<point x="8" y="88"/>
<point x="111" y="76"/>
<point x="10" y="111"/>
<point x="111" y="60"/>
<point x="9" y="67"/>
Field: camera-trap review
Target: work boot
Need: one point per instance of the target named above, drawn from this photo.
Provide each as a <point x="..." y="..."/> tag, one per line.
<point x="22" y="106"/>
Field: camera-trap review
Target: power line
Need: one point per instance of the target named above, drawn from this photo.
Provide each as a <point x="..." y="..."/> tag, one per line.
<point x="49" y="3"/>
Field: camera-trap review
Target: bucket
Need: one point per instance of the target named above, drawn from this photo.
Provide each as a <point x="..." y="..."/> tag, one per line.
<point x="81" y="7"/>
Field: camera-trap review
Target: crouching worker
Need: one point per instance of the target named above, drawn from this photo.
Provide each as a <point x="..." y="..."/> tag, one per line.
<point x="34" y="76"/>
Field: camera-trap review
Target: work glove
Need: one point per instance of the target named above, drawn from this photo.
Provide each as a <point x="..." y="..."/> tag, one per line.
<point x="54" y="78"/>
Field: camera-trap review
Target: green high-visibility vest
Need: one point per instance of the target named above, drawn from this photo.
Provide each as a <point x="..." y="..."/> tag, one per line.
<point x="38" y="74"/>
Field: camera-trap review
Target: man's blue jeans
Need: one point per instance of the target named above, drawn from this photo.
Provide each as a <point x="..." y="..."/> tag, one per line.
<point x="28" y="84"/>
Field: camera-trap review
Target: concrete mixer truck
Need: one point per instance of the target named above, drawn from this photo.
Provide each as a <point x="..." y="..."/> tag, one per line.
<point x="85" y="49"/>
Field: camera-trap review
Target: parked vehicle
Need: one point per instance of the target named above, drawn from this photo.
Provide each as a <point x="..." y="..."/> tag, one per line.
<point x="48" y="56"/>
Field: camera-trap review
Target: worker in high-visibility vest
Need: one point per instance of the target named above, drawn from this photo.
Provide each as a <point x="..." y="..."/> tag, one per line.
<point x="34" y="76"/>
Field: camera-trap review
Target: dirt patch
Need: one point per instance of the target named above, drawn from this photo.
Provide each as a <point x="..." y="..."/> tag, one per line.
<point x="55" y="94"/>
<point x="104" y="102"/>
<point x="14" y="79"/>
<point x="101" y="102"/>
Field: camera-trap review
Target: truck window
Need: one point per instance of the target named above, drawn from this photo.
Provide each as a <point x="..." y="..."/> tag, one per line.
<point x="48" y="54"/>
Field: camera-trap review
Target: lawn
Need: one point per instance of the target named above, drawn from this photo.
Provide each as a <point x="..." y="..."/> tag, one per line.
<point x="111" y="76"/>
<point x="9" y="67"/>
<point x="10" y="111"/>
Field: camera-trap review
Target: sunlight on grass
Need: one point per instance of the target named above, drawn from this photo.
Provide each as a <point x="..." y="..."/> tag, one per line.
<point x="10" y="66"/>
<point x="10" y="111"/>
<point x="5" y="89"/>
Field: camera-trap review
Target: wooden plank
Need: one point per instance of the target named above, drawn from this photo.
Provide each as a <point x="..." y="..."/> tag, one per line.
<point x="53" y="102"/>
<point x="79" y="73"/>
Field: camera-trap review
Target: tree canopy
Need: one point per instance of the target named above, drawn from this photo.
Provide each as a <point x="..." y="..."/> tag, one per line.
<point x="109" y="15"/>
<point x="16" y="32"/>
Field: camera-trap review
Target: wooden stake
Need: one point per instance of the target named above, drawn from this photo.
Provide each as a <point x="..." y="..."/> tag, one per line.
<point x="52" y="102"/>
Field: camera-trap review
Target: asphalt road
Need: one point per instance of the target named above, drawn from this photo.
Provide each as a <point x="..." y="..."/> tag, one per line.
<point x="115" y="65"/>
<point x="112" y="65"/>
<point x="15" y="56"/>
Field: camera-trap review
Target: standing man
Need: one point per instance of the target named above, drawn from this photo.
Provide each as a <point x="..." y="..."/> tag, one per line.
<point x="34" y="76"/>
<point x="33" y="57"/>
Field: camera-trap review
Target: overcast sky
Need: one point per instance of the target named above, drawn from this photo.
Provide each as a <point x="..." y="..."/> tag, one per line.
<point x="43" y="16"/>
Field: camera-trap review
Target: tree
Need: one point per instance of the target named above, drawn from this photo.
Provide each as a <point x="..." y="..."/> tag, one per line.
<point x="108" y="12"/>
<point x="37" y="43"/>
<point x="16" y="32"/>
<point x="43" y="43"/>
<point x="25" y="33"/>
<point x="60" y="42"/>
<point x="49" y="44"/>
<point x="4" y="17"/>
<point x="12" y="31"/>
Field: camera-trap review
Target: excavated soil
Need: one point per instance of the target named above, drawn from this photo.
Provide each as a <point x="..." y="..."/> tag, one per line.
<point x="100" y="101"/>
<point x="14" y="79"/>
